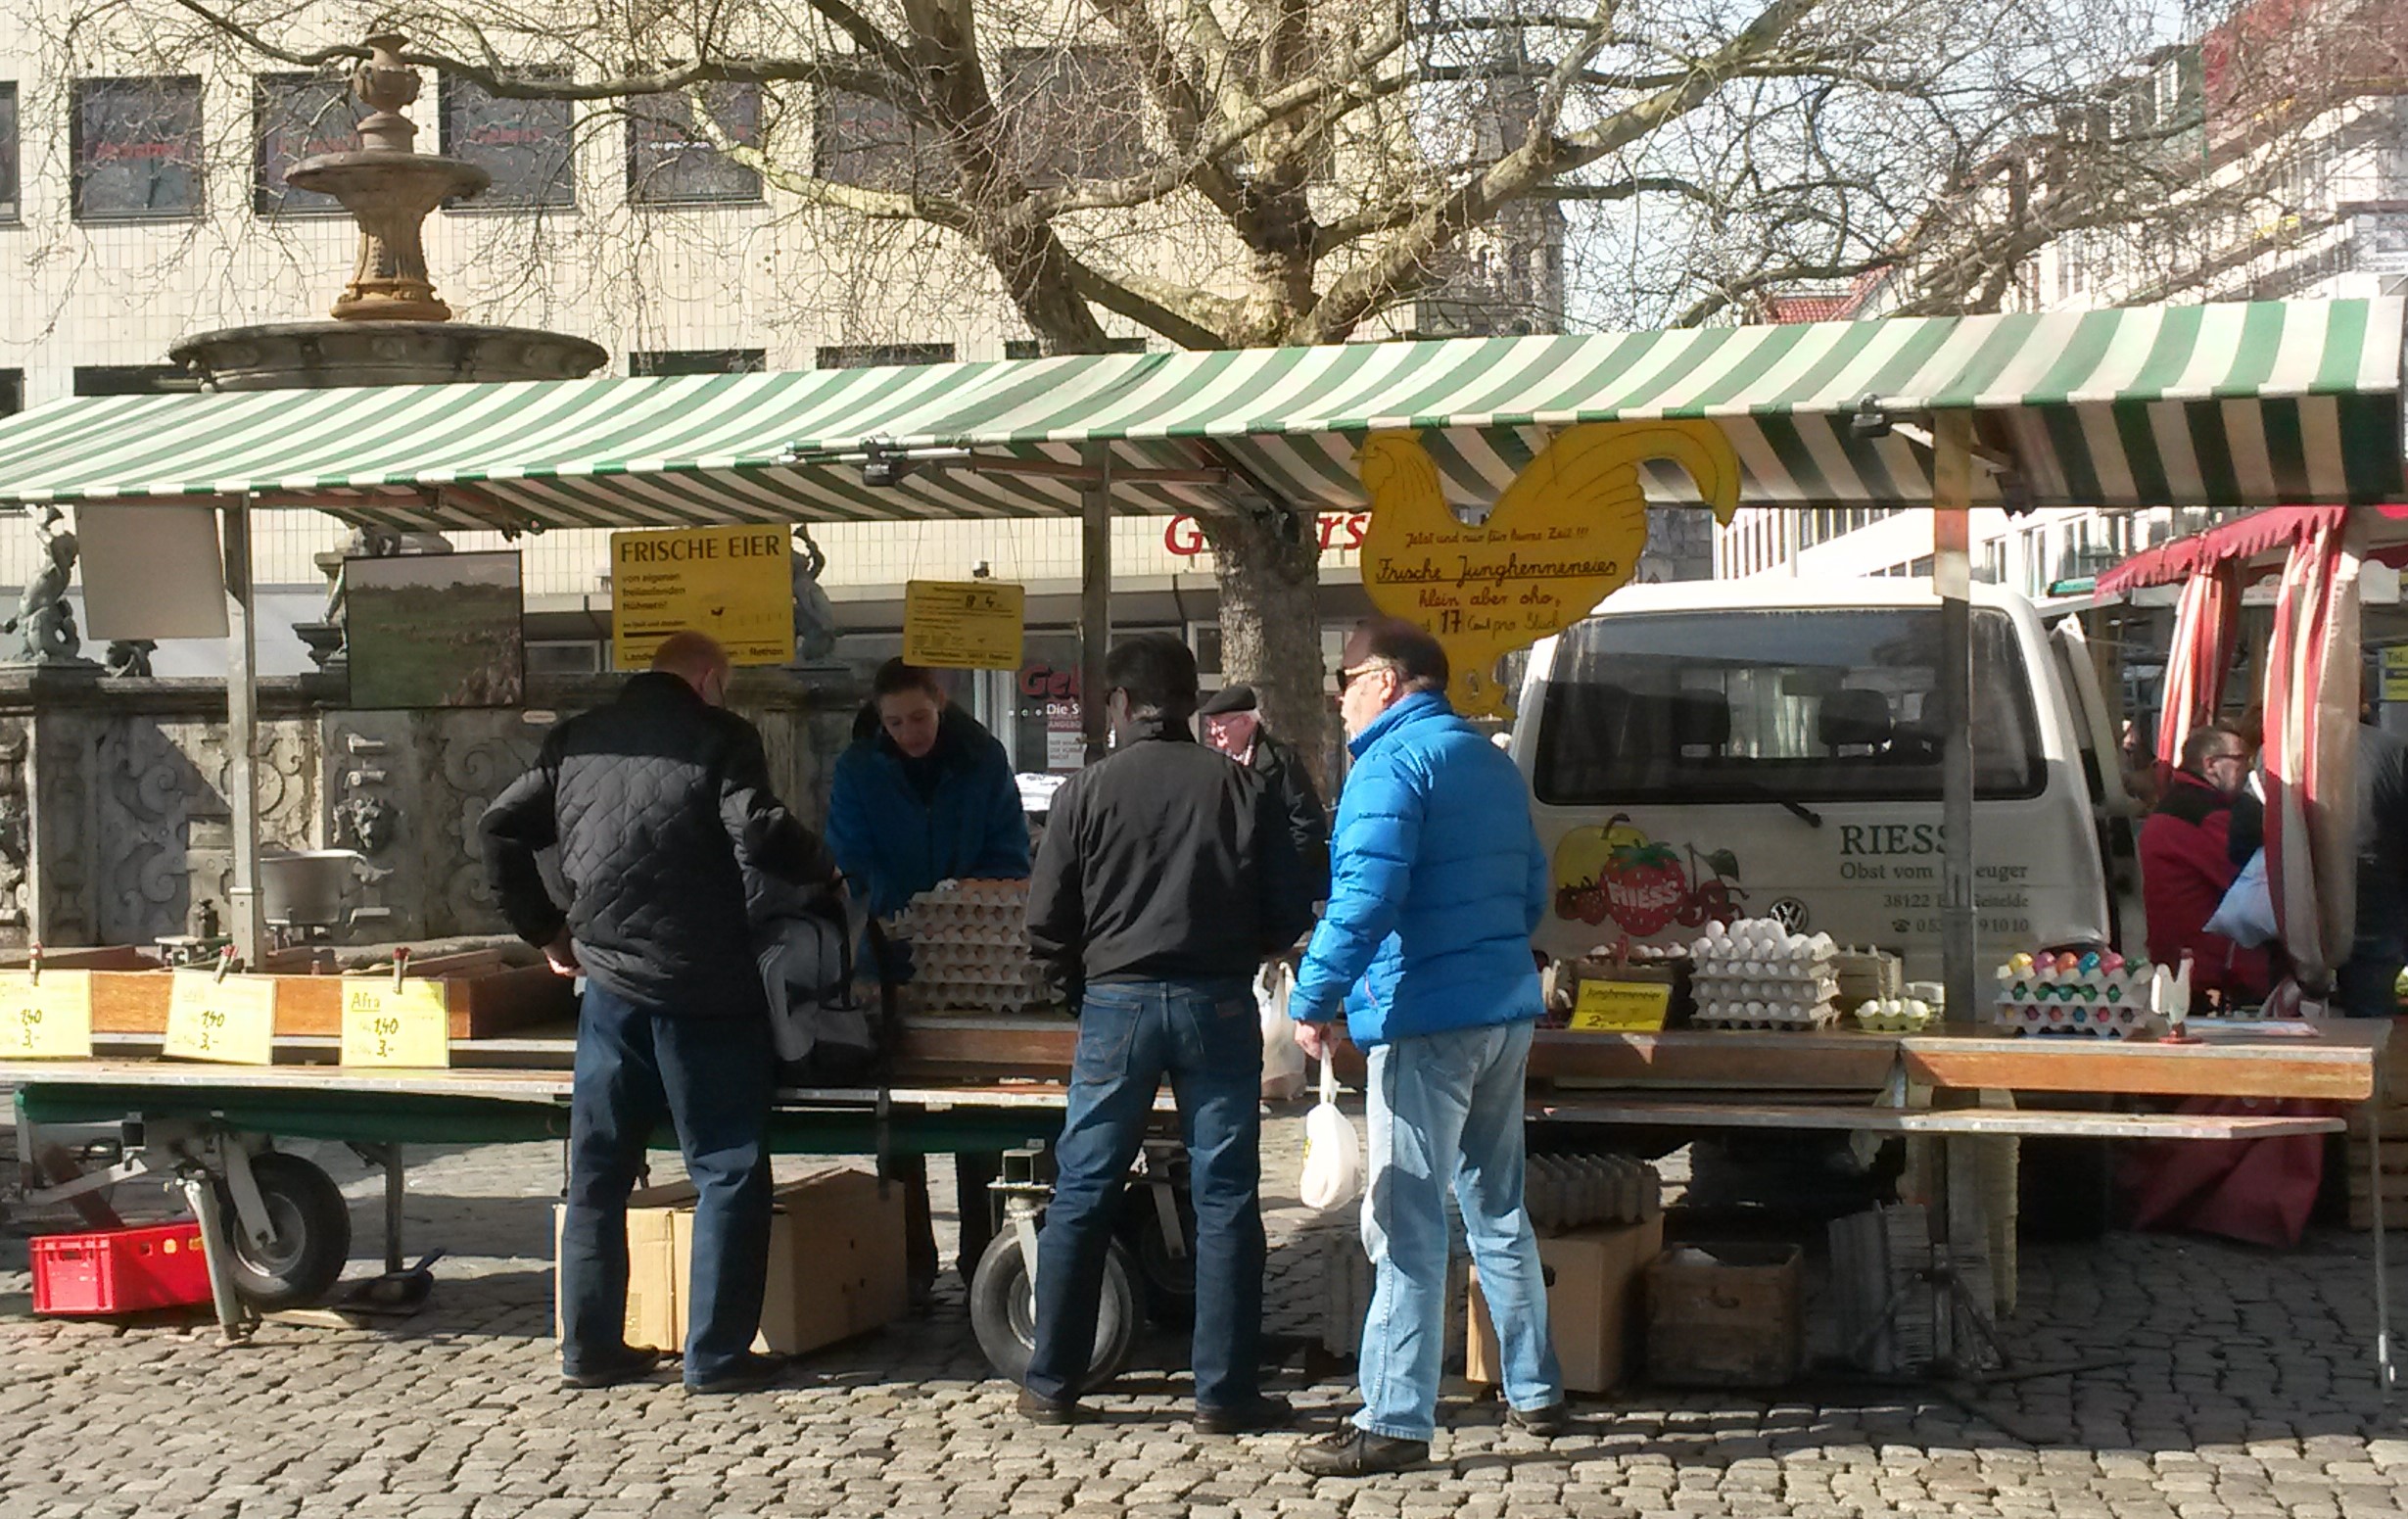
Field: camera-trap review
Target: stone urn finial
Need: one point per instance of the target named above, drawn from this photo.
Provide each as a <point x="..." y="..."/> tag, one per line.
<point x="387" y="85"/>
<point x="389" y="190"/>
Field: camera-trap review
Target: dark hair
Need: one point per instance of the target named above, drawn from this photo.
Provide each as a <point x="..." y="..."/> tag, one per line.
<point x="1158" y="673"/>
<point x="2196" y="747"/>
<point x="894" y="678"/>
<point x="1416" y="656"/>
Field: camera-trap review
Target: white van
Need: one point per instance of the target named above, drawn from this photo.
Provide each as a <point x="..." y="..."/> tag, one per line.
<point x="1767" y="748"/>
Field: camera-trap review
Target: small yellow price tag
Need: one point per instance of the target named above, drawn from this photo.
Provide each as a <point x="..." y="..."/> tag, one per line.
<point x="232" y="1021"/>
<point x="1622" y="1007"/>
<point x="46" y="1020"/>
<point x="384" y="1025"/>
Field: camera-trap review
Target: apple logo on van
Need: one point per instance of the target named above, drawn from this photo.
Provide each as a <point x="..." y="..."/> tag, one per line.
<point x="1645" y="887"/>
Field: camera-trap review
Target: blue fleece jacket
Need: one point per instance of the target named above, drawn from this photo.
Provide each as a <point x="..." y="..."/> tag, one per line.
<point x="887" y="838"/>
<point x="1438" y="883"/>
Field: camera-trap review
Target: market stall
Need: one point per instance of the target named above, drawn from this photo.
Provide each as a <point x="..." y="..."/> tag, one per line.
<point x="2199" y="405"/>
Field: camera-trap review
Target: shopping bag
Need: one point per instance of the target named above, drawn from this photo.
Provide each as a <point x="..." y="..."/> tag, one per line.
<point x="2245" y="916"/>
<point x="1283" y="1059"/>
<point x="1333" y="1153"/>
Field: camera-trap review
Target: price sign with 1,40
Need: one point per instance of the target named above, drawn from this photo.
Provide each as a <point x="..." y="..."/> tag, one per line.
<point x="230" y="1020"/>
<point x="46" y="1018"/>
<point x="386" y="1024"/>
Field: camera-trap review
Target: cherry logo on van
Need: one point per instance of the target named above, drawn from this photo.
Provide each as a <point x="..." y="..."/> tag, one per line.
<point x="1616" y="872"/>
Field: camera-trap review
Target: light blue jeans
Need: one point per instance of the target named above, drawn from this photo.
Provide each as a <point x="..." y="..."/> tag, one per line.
<point x="1447" y="1110"/>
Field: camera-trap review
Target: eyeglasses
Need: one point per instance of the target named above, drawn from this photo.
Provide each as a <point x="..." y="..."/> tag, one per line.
<point x="1346" y="678"/>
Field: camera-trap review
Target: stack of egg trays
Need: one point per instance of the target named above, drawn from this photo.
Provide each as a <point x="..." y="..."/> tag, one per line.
<point x="1566" y="1192"/>
<point x="970" y="948"/>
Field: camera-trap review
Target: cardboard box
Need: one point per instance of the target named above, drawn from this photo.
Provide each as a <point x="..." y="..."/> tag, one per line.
<point x="1591" y="1298"/>
<point x="848" y="1279"/>
<point x="1725" y="1315"/>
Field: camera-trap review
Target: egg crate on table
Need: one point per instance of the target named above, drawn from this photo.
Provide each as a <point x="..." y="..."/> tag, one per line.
<point x="2109" y="1000"/>
<point x="1895" y="1014"/>
<point x="970" y="948"/>
<point x="1757" y="974"/>
<point x="1765" y="1015"/>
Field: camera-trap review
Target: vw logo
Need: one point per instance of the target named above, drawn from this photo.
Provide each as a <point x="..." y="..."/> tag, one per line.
<point x="1789" y="912"/>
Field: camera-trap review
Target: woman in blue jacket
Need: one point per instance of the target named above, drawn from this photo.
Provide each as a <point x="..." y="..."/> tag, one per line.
<point x="925" y="795"/>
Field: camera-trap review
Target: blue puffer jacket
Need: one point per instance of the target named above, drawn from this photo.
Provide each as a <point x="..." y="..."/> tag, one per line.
<point x="1438" y="883"/>
<point x="884" y="836"/>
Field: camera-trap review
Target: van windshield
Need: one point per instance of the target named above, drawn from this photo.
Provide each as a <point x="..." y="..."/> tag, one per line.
<point x="1820" y="705"/>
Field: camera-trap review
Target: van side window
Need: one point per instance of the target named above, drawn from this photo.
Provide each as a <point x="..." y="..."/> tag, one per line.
<point x="1822" y="705"/>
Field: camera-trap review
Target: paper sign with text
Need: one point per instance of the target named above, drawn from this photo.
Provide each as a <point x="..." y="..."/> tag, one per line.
<point x="46" y="1020"/>
<point x="232" y="1021"/>
<point x="384" y="1025"/>
<point x="962" y="624"/>
<point x="735" y="584"/>
<point x="1622" y="1007"/>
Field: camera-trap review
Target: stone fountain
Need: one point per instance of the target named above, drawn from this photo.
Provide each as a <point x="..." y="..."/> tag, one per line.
<point x="389" y="327"/>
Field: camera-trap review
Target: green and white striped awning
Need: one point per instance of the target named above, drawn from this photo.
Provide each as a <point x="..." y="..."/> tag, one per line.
<point x="2275" y="403"/>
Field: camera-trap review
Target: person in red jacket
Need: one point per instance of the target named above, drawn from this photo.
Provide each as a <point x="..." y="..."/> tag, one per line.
<point x="2184" y="868"/>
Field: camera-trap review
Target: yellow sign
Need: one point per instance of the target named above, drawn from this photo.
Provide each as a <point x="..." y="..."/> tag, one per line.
<point x="1622" y="1007"/>
<point x="2395" y="673"/>
<point x="735" y="584"/>
<point x="384" y="1025"/>
<point x="1565" y="532"/>
<point x="962" y="624"/>
<point x="232" y="1021"/>
<point x="46" y="1020"/>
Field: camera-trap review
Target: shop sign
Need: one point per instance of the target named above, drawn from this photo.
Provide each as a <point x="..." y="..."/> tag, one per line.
<point x="1341" y="531"/>
<point x="2395" y="673"/>
<point x="1567" y="531"/>
<point x="964" y="624"/>
<point x="735" y="584"/>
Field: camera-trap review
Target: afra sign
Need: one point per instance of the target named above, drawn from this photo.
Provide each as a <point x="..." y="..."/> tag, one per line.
<point x="1339" y="530"/>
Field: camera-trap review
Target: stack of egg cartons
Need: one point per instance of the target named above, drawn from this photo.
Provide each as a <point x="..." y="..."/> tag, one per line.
<point x="970" y="948"/>
<point x="2084" y="994"/>
<point x="1757" y="974"/>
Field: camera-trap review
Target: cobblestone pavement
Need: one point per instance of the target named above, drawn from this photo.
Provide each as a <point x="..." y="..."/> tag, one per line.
<point x="2246" y="1395"/>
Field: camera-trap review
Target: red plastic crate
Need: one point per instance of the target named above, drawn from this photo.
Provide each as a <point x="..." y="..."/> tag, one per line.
<point x="122" y="1271"/>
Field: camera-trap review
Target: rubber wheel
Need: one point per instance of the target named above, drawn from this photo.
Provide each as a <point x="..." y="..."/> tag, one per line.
<point x="1167" y="1280"/>
<point x="313" y="1234"/>
<point x="1003" y="1311"/>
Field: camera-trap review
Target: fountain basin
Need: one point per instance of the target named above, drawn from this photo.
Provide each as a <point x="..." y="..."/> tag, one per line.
<point x="325" y="354"/>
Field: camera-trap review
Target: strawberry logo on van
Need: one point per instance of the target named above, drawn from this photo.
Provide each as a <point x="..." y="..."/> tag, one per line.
<point x="1618" y="872"/>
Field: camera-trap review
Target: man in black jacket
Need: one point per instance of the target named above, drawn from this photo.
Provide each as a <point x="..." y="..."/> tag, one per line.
<point x="1233" y="724"/>
<point x="658" y="804"/>
<point x="1166" y="877"/>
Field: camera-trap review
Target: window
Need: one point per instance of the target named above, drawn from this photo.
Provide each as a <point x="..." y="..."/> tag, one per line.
<point x="1076" y="113"/>
<point x="863" y="140"/>
<point x="526" y="145"/>
<point x="564" y="658"/>
<point x="136" y="145"/>
<point x="1828" y="705"/>
<point x="1030" y="347"/>
<point x="132" y="379"/>
<point x="296" y="116"/>
<point x="704" y="361"/>
<point x="864" y="355"/>
<point x="12" y="391"/>
<point x="9" y="210"/>
<point x="669" y="163"/>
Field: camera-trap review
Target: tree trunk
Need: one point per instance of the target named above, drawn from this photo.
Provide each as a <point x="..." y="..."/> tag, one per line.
<point x="1267" y="565"/>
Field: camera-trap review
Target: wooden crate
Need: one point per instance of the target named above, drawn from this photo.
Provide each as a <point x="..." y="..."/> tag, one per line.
<point x="483" y="1004"/>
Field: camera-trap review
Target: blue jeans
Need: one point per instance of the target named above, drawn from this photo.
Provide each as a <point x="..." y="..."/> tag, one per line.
<point x="1205" y="1036"/>
<point x="712" y="1076"/>
<point x="1447" y="1110"/>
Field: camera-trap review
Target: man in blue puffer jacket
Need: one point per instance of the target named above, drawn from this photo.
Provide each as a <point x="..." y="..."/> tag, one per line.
<point x="1438" y="883"/>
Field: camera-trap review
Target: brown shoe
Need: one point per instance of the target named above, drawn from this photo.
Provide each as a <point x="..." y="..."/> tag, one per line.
<point x="1037" y="1408"/>
<point x="1258" y="1417"/>
<point x="1548" y="1422"/>
<point x="631" y="1365"/>
<point x="1357" y="1453"/>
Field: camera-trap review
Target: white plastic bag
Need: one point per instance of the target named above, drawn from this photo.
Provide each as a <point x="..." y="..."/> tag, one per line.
<point x="1283" y="1059"/>
<point x="2245" y="916"/>
<point x="1333" y="1153"/>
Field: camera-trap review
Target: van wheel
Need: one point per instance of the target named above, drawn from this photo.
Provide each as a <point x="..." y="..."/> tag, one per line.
<point x="1003" y="1311"/>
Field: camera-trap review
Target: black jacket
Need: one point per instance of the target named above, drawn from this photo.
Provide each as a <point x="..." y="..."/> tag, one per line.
<point x="659" y="803"/>
<point x="1165" y="861"/>
<point x="1283" y="769"/>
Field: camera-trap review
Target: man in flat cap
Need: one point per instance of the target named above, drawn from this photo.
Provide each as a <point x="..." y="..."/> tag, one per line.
<point x="1233" y="724"/>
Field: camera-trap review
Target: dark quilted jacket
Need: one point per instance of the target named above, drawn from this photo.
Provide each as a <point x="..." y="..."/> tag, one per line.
<point x="651" y="800"/>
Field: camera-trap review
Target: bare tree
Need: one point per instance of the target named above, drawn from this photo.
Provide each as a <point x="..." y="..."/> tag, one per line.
<point x="1229" y="173"/>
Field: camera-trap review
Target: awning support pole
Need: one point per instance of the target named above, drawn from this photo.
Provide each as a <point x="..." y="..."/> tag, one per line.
<point x="242" y="736"/>
<point x="1952" y="574"/>
<point x="1095" y="599"/>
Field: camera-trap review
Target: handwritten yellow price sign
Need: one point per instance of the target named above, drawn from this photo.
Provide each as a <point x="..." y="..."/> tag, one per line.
<point x="232" y="1021"/>
<point x="46" y="1020"/>
<point x="1622" y="1007"/>
<point x="384" y="1025"/>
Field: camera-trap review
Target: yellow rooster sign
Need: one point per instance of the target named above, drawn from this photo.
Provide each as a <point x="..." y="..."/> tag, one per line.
<point x="1568" y="531"/>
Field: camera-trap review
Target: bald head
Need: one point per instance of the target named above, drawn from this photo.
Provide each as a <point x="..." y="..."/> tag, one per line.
<point x="696" y="659"/>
